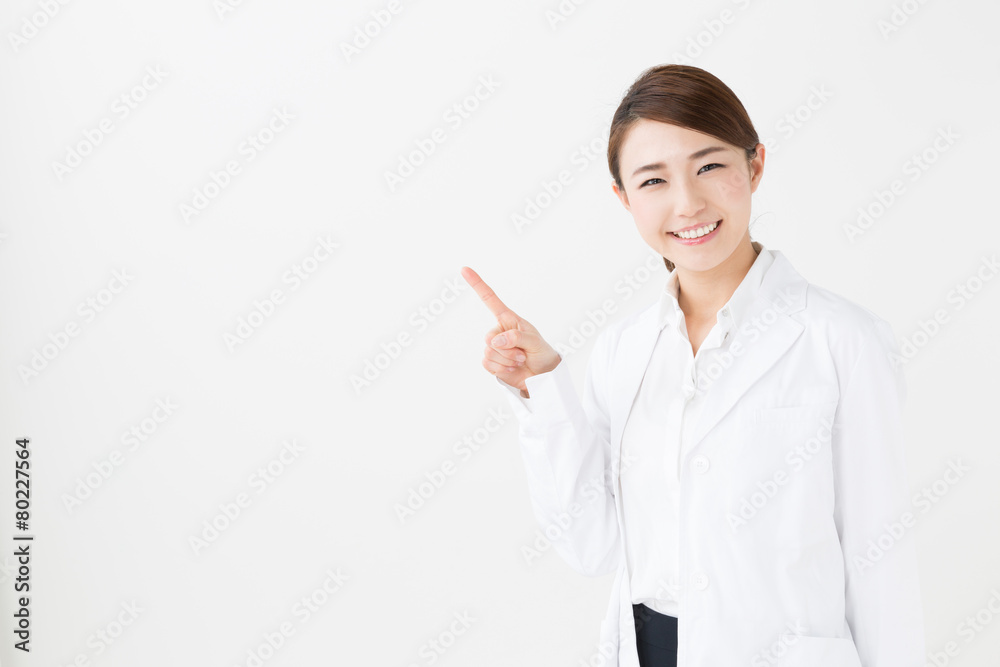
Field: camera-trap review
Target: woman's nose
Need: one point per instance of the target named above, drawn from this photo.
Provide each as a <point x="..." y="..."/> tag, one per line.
<point x="688" y="200"/>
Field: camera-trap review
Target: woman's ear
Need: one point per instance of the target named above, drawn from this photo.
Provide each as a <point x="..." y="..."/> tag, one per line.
<point x="620" y="193"/>
<point x="757" y="168"/>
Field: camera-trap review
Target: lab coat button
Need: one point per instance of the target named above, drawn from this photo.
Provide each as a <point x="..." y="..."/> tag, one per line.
<point x="699" y="580"/>
<point x="700" y="464"/>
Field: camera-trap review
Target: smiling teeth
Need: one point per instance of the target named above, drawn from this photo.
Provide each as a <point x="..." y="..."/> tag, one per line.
<point x="695" y="233"/>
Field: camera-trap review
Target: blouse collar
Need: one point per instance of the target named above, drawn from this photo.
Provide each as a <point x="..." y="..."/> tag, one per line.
<point x="732" y="312"/>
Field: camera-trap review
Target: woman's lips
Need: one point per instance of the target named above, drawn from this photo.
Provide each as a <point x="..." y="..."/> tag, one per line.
<point x="700" y="239"/>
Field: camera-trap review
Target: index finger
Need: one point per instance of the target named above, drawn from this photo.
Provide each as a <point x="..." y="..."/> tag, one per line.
<point x="485" y="293"/>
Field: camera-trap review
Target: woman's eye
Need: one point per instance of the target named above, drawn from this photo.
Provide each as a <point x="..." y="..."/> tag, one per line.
<point x="713" y="164"/>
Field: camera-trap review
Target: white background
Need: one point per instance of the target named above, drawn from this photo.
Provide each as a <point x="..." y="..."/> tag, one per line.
<point x="333" y="507"/>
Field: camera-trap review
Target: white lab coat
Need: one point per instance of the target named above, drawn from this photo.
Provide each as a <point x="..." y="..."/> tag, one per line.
<point x="795" y="543"/>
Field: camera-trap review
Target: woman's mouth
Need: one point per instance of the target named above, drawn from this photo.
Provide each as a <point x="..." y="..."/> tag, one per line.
<point x="698" y="235"/>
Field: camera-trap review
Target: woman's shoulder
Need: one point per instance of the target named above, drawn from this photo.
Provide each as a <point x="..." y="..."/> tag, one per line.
<point x="643" y="315"/>
<point x="822" y="302"/>
<point x="843" y="326"/>
<point x="845" y="323"/>
<point x="823" y="307"/>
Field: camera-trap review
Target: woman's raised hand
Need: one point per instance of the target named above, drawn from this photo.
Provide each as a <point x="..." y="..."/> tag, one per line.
<point x="521" y="351"/>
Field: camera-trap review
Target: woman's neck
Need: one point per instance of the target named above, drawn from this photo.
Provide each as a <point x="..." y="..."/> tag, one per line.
<point x="702" y="293"/>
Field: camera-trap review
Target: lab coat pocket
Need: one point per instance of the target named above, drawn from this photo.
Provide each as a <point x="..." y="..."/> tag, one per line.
<point x="789" y="414"/>
<point x="810" y="651"/>
<point x="783" y="473"/>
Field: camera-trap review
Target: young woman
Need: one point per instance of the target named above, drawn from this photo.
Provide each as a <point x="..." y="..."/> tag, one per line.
<point x="737" y="455"/>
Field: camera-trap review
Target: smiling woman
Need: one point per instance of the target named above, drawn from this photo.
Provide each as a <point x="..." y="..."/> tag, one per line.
<point x="737" y="449"/>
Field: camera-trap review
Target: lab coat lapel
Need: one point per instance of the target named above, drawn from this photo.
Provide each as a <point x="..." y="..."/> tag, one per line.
<point x="782" y="292"/>
<point x="765" y="334"/>
<point x="635" y="346"/>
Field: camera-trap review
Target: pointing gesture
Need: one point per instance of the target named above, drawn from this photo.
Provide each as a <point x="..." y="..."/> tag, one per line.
<point x="514" y="348"/>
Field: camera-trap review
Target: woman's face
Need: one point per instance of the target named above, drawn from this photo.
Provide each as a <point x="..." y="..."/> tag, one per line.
<point x="675" y="179"/>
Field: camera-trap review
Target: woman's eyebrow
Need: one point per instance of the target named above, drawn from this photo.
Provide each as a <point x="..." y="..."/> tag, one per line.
<point x="694" y="156"/>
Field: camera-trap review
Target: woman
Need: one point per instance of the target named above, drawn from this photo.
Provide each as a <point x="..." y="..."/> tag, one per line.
<point x="736" y="457"/>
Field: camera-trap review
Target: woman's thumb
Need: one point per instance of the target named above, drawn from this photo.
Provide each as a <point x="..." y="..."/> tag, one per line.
<point x="529" y="341"/>
<point x="501" y="340"/>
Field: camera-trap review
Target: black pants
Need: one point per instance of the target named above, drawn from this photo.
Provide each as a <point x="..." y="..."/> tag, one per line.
<point x="655" y="637"/>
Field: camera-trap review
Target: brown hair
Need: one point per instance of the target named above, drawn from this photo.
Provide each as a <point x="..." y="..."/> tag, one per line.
<point x="685" y="96"/>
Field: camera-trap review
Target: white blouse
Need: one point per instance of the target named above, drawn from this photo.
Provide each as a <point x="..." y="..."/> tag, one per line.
<point x="661" y="421"/>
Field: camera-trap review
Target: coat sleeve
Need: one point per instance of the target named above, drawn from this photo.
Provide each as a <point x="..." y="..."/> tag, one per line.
<point x="872" y="512"/>
<point x="565" y="444"/>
